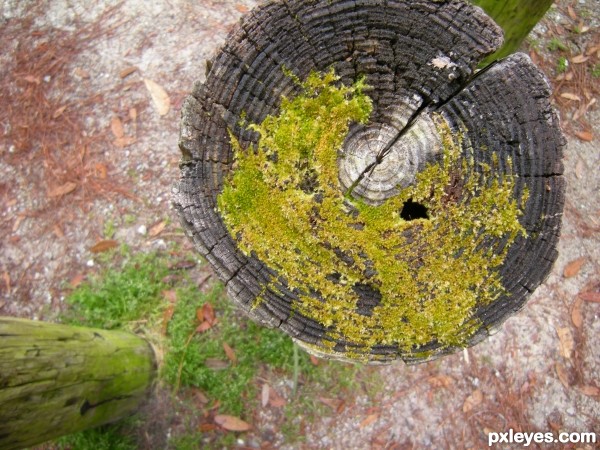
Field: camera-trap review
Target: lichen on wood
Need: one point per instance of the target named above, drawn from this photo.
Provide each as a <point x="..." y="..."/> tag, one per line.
<point x="395" y="203"/>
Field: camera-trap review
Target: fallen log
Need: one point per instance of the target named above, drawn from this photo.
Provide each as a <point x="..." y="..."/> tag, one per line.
<point x="60" y="379"/>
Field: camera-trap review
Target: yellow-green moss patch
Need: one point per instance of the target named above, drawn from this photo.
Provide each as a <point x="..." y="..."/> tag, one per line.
<point x="283" y="202"/>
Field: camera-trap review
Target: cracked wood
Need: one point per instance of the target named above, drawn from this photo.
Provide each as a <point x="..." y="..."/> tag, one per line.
<point x="420" y="57"/>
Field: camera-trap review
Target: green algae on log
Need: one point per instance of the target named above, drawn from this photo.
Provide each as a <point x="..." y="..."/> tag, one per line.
<point x="60" y="379"/>
<point x="516" y="17"/>
<point x="355" y="182"/>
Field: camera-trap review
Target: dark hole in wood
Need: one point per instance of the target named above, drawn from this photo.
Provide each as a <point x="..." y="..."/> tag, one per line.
<point x="85" y="407"/>
<point x="412" y="210"/>
<point x="72" y="401"/>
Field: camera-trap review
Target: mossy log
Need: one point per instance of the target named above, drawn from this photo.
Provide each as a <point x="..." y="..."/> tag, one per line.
<point x="516" y="17"/>
<point x="58" y="379"/>
<point x="357" y="183"/>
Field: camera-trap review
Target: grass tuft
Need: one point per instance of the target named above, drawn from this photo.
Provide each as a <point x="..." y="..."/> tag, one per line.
<point x="120" y="295"/>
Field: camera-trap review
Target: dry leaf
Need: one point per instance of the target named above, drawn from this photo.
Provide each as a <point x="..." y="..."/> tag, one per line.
<point x="7" y="281"/>
<point x="103" y="246"/>
<point x="116" y="126"/>
<point x="472" y="401"/>
<point x="592" y="50"/>
<point x="32" y="79"/>
<point x="562" y="374"/>
<point x="241" y="8"/>
<point x="81" y="73"/>
<point x="440" y="381"/>
<point x="155" y="230"/>
<point x="576" y="316"/>
<point x="77" y="280"/>
<point x="65" y="189"/>
<point x="208" y="313"/>
<point x="206" y="427"/>
<point x="229" y="353"/>
<point x="58" y="232"/>
<point x="566" y="342"/>
<point x="264" y="396"/>
<point x="160" y="98"/>
<point x="200" y="396"/>
<point x="586" y="136"/>
<point x="590" y="296"/>
<point x="17" y="223"/>
<point x="579" y="59"/>
<point x="203" y="327"/>
<point x="573" y="268"/>
<point x="128" y="71"/>
<point x="571" y="96"/>
<point x="276" y="400"/>
<point x="580" y="169"/>
<point x="314" y="360"/>
<point x="124" y="141"/>
<point x="371" y="418"/>
<point x="101" y="171"/>
<point x="59" y="112"/>
<point x="133" y="114"/>
<point x="571" y="12"/>
<point x="232" y="423"/>
<point x="534" y="57"/>
<point x="591" y="391"/>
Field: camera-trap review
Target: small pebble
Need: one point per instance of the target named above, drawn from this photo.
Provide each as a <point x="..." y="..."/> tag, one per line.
<point x="571" y="411"/>
<point x="142" y="230"/>
<point x="90" y="263"/>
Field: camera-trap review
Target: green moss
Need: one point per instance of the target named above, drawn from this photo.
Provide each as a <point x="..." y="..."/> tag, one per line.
<point x="285" y="204"/>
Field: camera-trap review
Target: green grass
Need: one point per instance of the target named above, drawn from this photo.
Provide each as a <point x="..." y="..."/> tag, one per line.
<point x="562" y="65"/>
<point x="596" y="70"/>
<point x="128" y="293"/>
<point x="109" y="228"/>
<point x="557" y="44"/>
<point x="108" y="437"/>
<point x="199" y="359"/>
<point x="120" y="295"/>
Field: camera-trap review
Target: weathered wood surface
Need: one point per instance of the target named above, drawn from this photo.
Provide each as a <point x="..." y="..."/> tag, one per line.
<point x="58" y="379"/>
<point x="421" y="58"/>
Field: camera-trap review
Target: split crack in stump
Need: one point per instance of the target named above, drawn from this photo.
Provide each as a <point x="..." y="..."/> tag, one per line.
<point x="420" y="58"/>
<point x="425" y="109"/>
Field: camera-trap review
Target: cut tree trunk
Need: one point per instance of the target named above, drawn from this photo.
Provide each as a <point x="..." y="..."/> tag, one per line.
<point x="516" y="17"/>
<point x="428" y="282"/>
<point x="58" y="379"/>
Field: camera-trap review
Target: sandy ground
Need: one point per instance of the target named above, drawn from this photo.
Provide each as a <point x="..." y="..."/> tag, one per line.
<point x="539" y="373"/>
